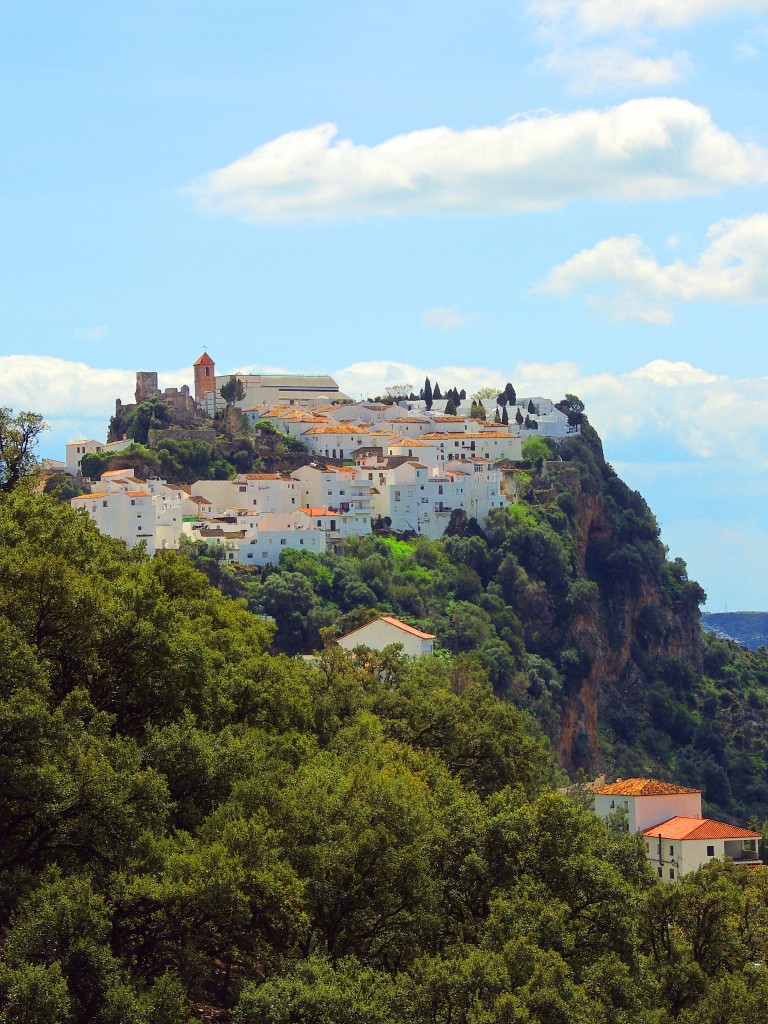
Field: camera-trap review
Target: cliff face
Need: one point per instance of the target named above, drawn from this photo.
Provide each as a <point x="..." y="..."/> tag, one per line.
<point x="645" y="622"/>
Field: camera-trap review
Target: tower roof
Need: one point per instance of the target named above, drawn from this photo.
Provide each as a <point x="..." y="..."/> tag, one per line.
<point x="204" y="360"/>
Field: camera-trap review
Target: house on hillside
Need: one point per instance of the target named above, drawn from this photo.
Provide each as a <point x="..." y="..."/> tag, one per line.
<point x="677" y="839"/>
<point x="388" y="630"/>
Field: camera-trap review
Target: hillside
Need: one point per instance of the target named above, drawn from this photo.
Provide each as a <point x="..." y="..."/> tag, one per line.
<point x="747" y="628"/>
<point x="197" y="830"/>
<point x="567" y="601"/>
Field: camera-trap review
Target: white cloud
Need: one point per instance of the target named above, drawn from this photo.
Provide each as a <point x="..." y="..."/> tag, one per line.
<point x="658" y="148"/>
<point x="448" y="318"/>
<point x="591" y="70"/>
<point x="92" y="333"/>
<point x="599" y="17"/>
<point x="733" y="267"/>
<point x="662" y="406"/>
<point x="633" y="59"/>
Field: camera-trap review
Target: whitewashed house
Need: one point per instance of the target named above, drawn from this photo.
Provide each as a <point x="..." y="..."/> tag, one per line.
<point x="487" y="444"/>
<point x="388" y="630"/>
<point x="680" y="845"/>
<point x="128" y="515"/>
<point x="677" y="839"/>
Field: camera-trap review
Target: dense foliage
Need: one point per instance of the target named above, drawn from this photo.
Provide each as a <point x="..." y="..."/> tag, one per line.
<point x="184" y="460"/>
<point x="196" y="829"/>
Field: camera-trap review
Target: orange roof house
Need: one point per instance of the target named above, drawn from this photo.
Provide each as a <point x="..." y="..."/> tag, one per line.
<point x="387" y="630"/>
<point x="677" y="838"/>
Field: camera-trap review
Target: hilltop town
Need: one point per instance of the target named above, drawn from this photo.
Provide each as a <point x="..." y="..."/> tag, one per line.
<point x="404" y="465"/>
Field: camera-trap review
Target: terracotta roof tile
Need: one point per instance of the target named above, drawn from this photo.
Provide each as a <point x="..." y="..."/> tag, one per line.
<point x="643" y="787"/>
<point x="681" y="827"/>
<point x="394" y="622"/>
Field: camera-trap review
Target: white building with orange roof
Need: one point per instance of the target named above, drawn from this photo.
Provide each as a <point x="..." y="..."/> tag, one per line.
<point x="387" y="630"/>
<point x="334" y="441"/>
<point x="646" y="801"/>
<point x="342" y="489"/>
<point x="487" y="444"/>
<point x="680" y="844"/>
<point x="337" y="523"/>
<point x="124" y="513"/>
<point x="677" y="838"/>
<point x="426" y="452"/>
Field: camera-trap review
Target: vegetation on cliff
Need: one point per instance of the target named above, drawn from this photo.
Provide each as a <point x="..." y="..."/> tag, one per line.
<point x="195" y="829"/>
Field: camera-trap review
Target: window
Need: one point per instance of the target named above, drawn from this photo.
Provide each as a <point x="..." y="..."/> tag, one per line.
<point x="250" y="554"/>
<point x="613" y="804"/>
<point x="103" y="504"/>
<point x="671" y="872"/>
<point x="301" y="541"/>
<point x="710" y="851"/>
<point x="671" y="851"/>
<point x="133" y="501"/>
<point x="283" y="540"/>
<point x="659" y="871"/>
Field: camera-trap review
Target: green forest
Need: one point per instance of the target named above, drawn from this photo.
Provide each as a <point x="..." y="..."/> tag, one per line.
<point x="196" y="829"/>
<point x="199" y="826"/>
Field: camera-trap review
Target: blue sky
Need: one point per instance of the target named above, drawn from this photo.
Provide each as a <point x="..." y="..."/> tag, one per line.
<point x="568" y="194"/>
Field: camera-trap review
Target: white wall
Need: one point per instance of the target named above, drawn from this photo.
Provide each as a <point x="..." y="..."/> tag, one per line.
<point x="645" y="811"/>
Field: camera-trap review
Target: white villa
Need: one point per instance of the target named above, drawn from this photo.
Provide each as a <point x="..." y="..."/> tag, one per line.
<point x="677" y="839"/>
<point x="388" y="630"/>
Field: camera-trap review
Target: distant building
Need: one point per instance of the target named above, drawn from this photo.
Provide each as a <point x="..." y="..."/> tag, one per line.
<point x="267" y="389"/>
<point x="388" y="630"/>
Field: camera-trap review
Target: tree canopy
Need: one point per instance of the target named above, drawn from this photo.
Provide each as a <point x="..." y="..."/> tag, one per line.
<point x="18" y="439"/>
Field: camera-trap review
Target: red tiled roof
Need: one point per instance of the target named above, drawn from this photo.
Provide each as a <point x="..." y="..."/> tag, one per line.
<point x="643" y="787"/>
<point x="408" y="629"/>
<point x="698" y="828"/>
<point x="394" y="622"/>
<point x="204" y="360"/>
